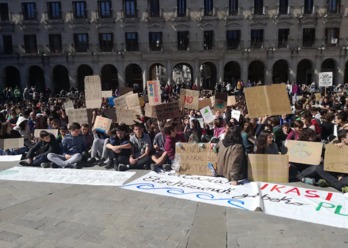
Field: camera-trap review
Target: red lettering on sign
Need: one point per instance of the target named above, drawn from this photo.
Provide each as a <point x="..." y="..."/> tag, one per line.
<point x="277" y="187"/>
<point x="293" y="190"/>
<point x="188" y="99"/>
<point x="311" y="194"/>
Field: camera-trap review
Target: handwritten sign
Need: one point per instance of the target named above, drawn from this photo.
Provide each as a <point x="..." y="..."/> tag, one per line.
<point x="304" y="152"/>
<point x="166" y="111"/>
<point x="106" y="93"/>
<point x="68" y="104"/>
<point x="102" y="124"/>
<point x="189" y="99"/>
<point x="126" y="116"/>
<point x="121" y="102"/>
<point x="231" y="100"/>
<point x="51" y="131"/>
<point x="207" y="114"/>
<point x="77" y="115"/>
<point x="235" y="114"/>
<point x="11" y="143"/>
<point x="325" y="79"/>
<point x="93" y="91"/>
<point x="194" y="158"/>
<point x="220" y="101"/>
<point x="267" y="100"/>
<point x="336" y="159"/>
<point x="268" y="168"/>
<point x="150" y="111"/>
<point x="154" y="92"/>
<point x="132" y="100"/>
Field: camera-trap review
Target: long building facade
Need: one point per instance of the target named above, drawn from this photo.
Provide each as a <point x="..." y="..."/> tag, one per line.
<point x="56" y="44"/>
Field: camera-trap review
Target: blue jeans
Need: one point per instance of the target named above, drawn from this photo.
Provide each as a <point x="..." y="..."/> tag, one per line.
<point x="40" y="159"/>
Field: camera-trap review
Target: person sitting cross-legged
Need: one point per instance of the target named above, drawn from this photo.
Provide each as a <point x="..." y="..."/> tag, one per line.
<point x="73" y="146"/>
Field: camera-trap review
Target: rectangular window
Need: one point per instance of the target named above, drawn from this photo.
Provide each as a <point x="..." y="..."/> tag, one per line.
<point x="155" y="41"/>
<point x="208" y="8"/>
<point x="130" y="7"/>
<point x="283" y="7"/>
<point x="181" y="8"/>
<point x="154" y="8"/>
<point x="81" y="42"/>
<point x="256" y="38"/>
<point x="183" y="40"/>
<point x="7" y="44"/>
<point x="54" y="10"/>
<point x="80" y="9"/>
<point x="106" y="42"/>
<point x="208" y="40"/>
<point x="29" y="11"/>
<point x="332" y="36"/>
<point x="308" y="39"/>
<point x="30" y="45"/>
<point x="233" y="39"/>
<point x="333" y="6"/>
<point x="283" y="37"/>
<point x="132" y="41"/>
<point x="233" y="7"/>
<point x="308" y="7"/>
<point x="258" y="7"/>
<point x="55" y="41"/>
<point x="4" y="14"/>
<point x="104" y="9"/>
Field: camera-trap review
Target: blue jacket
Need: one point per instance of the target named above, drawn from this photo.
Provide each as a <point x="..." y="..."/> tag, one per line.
<point x="72" y="145"/>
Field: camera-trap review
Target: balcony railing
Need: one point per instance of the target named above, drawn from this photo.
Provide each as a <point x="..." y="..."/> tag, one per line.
<point x="129" y="14"/>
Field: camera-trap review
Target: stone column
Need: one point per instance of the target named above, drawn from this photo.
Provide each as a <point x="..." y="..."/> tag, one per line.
<point x="169" y="72"/>
<point x="220" y="71"/>
<point x="244" y="70"/>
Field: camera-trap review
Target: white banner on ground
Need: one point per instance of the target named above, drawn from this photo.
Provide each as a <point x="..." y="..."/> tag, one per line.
<point x="67" y="176"/>
<point x="10" y="158"/>
<point x="310" y="205"/>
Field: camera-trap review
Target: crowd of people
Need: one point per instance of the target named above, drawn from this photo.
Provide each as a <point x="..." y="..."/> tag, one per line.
<point x="150" y="144"/>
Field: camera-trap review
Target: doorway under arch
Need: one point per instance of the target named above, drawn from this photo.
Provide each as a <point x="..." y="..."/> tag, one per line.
<point x="208" y="74"/>
<point x="82" y="72"/>
<point x="12" y="77"/>
<point x="36" y="78"/>
<point x="109" y="77"/>
<point x="134" y="77"/>
<point x="280" y="71"/>
<point x="256" y="72"/>
<point x="304" y="72"/>
<point x="232" y="72"/>
<point x="61" y="78"/>
<point x="329" y="65"/>
<point x="158" y="72"/>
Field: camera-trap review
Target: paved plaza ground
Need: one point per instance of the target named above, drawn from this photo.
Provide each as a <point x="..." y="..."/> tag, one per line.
<point x="44" y="215"/>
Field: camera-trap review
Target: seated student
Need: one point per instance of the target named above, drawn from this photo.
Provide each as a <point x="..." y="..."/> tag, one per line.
<point x="7" y="132"/>
<point x="63" y="131"/>
<point x="88" y="135"/>
<point x="37" y="155"/>
<point x="142" y="146"/>
<point x="73" y="146"/>
<point x="159" y="156"/>
<point x="265" y="143"/>
<point x="119" y="149"/>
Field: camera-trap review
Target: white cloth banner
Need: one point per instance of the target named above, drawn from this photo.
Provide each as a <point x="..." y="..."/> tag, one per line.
<point x="10" y="158"/>
<point x="310" y="205"/>
<point x="68" y="176"/>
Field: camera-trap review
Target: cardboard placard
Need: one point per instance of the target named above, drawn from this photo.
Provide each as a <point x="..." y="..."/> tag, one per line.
<point x="220" y="101"/>
<point x="268" y="168"/>
<point x="189" y="99"/>
<point x="204" y="102"/>
<point x="207" y="114"/>
<point x="325" y="79"/>
<point x="102" y="124"/>
<point x="231" y="100"/>
<point x="154" y="92"/>
<point x="267" y="100"/>
<point x="93" y="91"/>
<point x="121" y="102"/>
<point x="106" y="93"/>
<point x="11" y="143"/>
<point x="77" y="115"/>
<point x="166" y="111"/>
<point x="304" y="152"/>
<point x="52" y="131"/>
<point x="150" y="111"/>
<point x="125" y="90"/>
<point x="336" y="159"/>
<point x="317" y="96"/>
<point x="132" y="100"/>
<point x="68" y="104"/>
<point x="194" y="159"/>
<point x="235" y="114"/>
<point x="126" y="116"/>
<point x="207" y="92"/>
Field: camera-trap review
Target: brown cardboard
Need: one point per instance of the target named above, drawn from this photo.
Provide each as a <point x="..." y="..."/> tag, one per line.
<point x="166" y="111"/>
<point x="124" y="90"/>
<point x="267" y="100"/>
<point x="336" y="159"/>
<point x="304" y="152"/>
<point x="268" y="168"/>
<point x="150" y="111"/>
<point x="77" y="115"/>
<point x="204" y="102"/>
<point x="189" y="99"/>
<point x="93" y="91"/>
<point x="132" y="100"/>
<point x="220" y="101"/>
<point x="126" y="116"/>
<point x="154" y="92"/>
<point x="194" y="159"/>
<point x="11" y="143"/>
<point x="52" y="131"/>
<point x="106" y="93"/>
<point x="102" y="124"/>
<point x="231" y="101"/>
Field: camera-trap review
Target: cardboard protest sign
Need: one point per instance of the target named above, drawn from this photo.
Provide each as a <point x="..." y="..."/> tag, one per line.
<point x="150" y="111"/>
<point x="194" y="159"/>
<point x="206" y="92"/>
<point x="235" y="114"/>
<point x="207" y="114"/>
<point x="166" y="111"/>
<point x="106" y="93"/>
<point x="231" y="100"/>
<point x="124" y="90"/>
<point x="317" y="96"/>
<point x="267" y="100"/>
<point x="52" y="131"/>
<point x="204" y="102"/>
<point x="102" y="124"/>
<point x="110" y="114"/>
<point x="304" y="152"/>
<point x="77" y="115"/>
<point x="268" y="168"/>
<point x="154" y="92"/>
<point x="336" y="159"/>
<point x="93" y="91"/>
<point x="325" y="79"/>
<point x="126" y="116"/>
<point x="220" y="101"/>
<point x="68" y="104"/>
<point x="189" y="99"/>
<point x="121" y="102"/>
<point x="132" y="100"/>
<point x="11" y="143"/>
